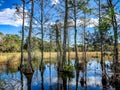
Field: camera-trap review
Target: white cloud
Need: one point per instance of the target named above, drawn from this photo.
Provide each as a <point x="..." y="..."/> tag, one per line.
<point x="92" y="22"/>
<point x="8" y="17"/>
<point x="55" y="2"/>
<point x="118" y="19"/>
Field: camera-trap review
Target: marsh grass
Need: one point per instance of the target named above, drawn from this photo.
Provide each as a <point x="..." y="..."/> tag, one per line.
<point x="15" y="57"/>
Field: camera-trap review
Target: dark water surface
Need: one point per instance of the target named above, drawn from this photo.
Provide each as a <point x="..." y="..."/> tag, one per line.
<point x="88" y="77"/>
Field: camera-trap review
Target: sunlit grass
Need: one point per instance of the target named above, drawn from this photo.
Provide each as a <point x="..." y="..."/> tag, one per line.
<point x="15" y="57"/>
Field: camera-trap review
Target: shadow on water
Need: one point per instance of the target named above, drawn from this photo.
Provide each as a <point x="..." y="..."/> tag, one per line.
<point x="89" y="76"/>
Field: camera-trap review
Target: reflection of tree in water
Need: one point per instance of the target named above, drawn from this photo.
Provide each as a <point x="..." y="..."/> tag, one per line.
<point x="104" y="76"/>
<point x="64" y="82"/>
<point x="58" y="81"/>
<point x="21" y="74"/>
<point x="29" y="79"/>
<point x="42" y="79"/>
<point x="50" y="74"/>
<point x="77" y="78"/>
<point x="28" y="72"/>
<point x="83" y="79"/>
<point x="64" y="79"/>
<point x="115" y="78"/>
<point x="42" y="69"/>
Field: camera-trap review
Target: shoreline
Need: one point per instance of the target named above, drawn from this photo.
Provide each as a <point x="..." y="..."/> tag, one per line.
<point x="4" y="57"/>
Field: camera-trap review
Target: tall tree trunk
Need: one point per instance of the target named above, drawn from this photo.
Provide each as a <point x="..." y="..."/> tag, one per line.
<point x="75" y="36"/>
<point x="101" y="45"/>
<point x="68" y="47"/>
<point x="42" y="31"/>
<point x="65" y="32"/>
<point x="60" y="45"/>
<point x="22" y="42"/>
<point x="57" y="42"/>
<point x="115" y="28"/>
<point x="101" y="36"/>
<point x="84" y="31"/>
<point x="29" y="35"/>
<point x="50" y="45"/>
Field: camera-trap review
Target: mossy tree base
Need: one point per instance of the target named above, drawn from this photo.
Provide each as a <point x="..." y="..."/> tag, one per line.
<point x="26" y="69"/>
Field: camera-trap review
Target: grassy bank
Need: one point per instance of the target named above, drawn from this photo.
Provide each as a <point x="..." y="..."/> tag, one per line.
<point x="11" y="60"/>
<point x="15" y="57"/>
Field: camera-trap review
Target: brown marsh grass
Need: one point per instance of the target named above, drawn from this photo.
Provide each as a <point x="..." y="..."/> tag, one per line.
<point x="15" y="57"/>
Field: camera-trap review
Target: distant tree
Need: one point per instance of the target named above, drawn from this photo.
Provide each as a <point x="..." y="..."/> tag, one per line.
<point x="11" y="43"/>
<point x="42" y="17"/>
<point x="85" y="11"/>
<point x="1" y="40"/>
<point x="56" y="29"/>
<point x="104" y="27"/>
<point x="1" y="36"/>
<point x="73" y="4"/>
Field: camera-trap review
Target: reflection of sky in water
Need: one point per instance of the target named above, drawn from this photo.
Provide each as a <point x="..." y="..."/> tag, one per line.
<point x="93" y="78"/>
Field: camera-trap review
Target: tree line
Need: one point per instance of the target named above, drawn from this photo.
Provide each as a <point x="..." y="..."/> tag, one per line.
<point x="12" y="43"/>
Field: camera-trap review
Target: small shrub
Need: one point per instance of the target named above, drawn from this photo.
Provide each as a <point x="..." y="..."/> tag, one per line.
<point x="69" y="67"/>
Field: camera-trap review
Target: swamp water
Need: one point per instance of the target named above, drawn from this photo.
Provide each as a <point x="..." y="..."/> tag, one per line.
<point x="87" y="77"/>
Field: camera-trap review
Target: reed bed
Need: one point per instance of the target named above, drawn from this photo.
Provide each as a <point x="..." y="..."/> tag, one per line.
<point x="15" y="57"/>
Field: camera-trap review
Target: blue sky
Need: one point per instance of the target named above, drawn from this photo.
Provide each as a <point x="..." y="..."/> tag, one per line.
<point x="7" y="25"/>
<point x="10" y="24"/>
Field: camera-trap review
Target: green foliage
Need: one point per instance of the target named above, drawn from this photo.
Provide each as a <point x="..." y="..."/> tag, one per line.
<point x="1" y="34"/>
<point x="104" y="26"/>
<point x="69" y="67"/>
<point x="37" y="43"/>
<point x="68" y="71"/>
<point x="10" y="43"/>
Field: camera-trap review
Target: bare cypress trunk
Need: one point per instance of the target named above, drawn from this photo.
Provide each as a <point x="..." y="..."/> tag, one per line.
<point x="42" y="32"/>
<point x="58" y="46"/>
<point x="115" y="27"/>
<point x="84" y="31"/>
<point x="22" y="42"/>
<point x="65" y="32"/>
<point x="30" y="34"/>
<point x="50" y="45"/>
<point x="68" y="47"/>
<point x="57" y="42"/>
<point x="75" y="36"/>
<point x="101" y="36"/>
<point x="101" y="45"/>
